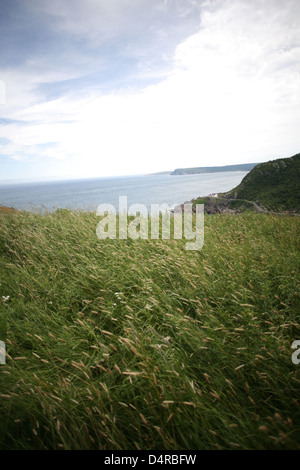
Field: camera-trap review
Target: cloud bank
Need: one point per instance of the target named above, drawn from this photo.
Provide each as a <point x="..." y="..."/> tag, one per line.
<point x="128" y="87"/>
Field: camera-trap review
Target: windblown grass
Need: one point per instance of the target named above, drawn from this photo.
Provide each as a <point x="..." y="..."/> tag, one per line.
<point x="122" y="344"/>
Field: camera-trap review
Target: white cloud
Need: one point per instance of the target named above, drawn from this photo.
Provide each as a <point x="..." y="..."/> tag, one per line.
<point x="134" y="26"/>
<point x="233" y="96"/>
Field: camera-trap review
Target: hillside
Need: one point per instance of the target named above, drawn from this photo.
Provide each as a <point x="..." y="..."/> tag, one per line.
<point x="6" y="210"/>
<point x="274" y="185"/>
<point x="213" y="169"/>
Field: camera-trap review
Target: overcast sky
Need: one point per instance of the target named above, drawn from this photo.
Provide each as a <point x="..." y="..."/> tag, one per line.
<point x="116" y="87"/>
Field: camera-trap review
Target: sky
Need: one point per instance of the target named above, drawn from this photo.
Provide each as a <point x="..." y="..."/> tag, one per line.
<point x="92" y="88"/>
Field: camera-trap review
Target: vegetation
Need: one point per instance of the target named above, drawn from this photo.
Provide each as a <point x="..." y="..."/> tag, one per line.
<point x="274" y="184"/>
<point x="215" y="205"/>
<point x="122" y="344"/>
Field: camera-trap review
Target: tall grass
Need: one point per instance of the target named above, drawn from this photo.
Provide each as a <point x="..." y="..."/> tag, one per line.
<point x="122" y="344"/>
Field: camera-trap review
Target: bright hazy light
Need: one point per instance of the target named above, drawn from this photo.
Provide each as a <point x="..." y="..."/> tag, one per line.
<point x="228" y="92"/>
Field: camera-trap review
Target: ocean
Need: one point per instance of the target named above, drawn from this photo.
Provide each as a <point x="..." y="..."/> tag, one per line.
<point x="87" y="194"/>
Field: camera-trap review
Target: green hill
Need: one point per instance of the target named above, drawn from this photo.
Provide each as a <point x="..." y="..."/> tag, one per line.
<point x="274" y="185"/>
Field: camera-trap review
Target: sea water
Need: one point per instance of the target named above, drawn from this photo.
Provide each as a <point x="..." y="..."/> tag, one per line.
<point x="87" y="194"/>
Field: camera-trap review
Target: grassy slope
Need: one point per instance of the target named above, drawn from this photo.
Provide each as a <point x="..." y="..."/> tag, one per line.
<point x="273" y="184"/>
<point x="195" y="353"/>
<point x="6" y="210"/>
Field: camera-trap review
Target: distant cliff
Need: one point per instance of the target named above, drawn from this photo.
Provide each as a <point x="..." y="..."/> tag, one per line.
<point x="213" y="169"/>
